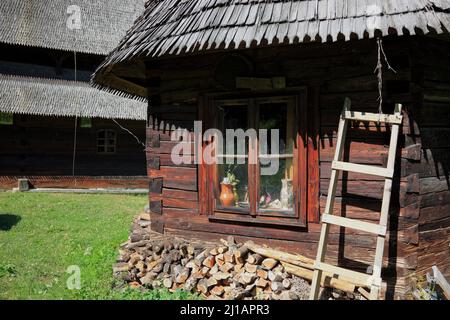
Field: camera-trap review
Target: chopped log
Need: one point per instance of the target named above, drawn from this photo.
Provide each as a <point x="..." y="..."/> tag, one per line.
<point x="219" y="276"/>
<point x="217" y="290"/>
<point x="182" y="276"/>
<point x="326" y="280"/>
<point x="214" y="251"/>
<point x="261" y="283"/>
<point x="167" y="282"/>
<point x="262" y="273"/>
<point x="294" y="259"/>
<point x="278" y="269"/>
<point x="246" y="278"/>
<point x="211" y="282"/>
<point x="209" y="261"/>
<point x="214" y="269"/>
<point x="222" y="249"/>
<point x="156" y="284"/>
<point x="190" y="284"/>
<point x="269" y="263"/>
<point x="148" y="278"/>
<point x="254" y="258"/>
<point x="226" y="267"/>
<point x="200" y="258"/>
<point x="250" y="267"/>
<point x="204" y="271"/>
<point x="158" y="268"/>
<point x="240" y="254"/>
<point x="202" y="286"/>
<point x="274" y="276"/>
<point x="228" y="257"/>
<point x="220" y="259"/>
<point x="238" y="267"/>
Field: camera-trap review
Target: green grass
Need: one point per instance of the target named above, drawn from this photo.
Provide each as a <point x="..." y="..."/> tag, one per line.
<point x="42" y="235"/>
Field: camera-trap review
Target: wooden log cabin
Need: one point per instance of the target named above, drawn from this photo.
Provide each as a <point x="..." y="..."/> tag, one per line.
<point x="289" y="65"/>
<point x="45" y="65"/>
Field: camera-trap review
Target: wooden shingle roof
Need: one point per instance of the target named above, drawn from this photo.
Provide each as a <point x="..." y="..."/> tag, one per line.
<point x="48" y="97"/>
<point x="44" y="23"/>
<point x="171" y="27"/>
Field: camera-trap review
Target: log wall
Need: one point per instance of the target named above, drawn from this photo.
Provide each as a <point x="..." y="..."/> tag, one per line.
<point x="330" y="72"/>
<point x="41" y="149"/>
<point x="432" y="113"/>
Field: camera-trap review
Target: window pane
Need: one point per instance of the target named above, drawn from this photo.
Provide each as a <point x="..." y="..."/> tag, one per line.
<point x="233" y="117"/>
<point x="276" y="191"/>
<point x="233" y="170"/>
<point x="280" y="116"/>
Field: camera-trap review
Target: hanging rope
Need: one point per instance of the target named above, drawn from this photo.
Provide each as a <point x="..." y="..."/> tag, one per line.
<point x="76" y="121"/>
<point x="379" y="72"/>
<point x="131" y="133"/>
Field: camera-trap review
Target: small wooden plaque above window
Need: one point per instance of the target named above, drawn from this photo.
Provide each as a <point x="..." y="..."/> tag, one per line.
<point x="85" y="123"/>
<point x="6" y="118"/>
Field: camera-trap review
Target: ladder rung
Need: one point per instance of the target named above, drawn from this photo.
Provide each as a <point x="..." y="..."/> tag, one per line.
<point x="373" y="117"/>
<point x="359" y="278"/>
<point x="360" y="168"/>
<point x="354" y="224"/>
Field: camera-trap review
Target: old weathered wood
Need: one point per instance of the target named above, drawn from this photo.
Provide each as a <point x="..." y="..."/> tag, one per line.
<point x="373" y="281"/>
<point x="441" y="281"/>
<point x="325" y="280"/>
<point x="344" y="71"/>
<point x="279" y="255"/>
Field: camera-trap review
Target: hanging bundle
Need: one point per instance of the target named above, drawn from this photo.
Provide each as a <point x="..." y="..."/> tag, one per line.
<point x="379" y="72"/>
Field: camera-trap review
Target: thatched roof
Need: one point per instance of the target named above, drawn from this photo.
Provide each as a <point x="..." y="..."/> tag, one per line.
<point x="43" y="23"/>
<point x="171" y="27"/>
<point x="37" y="96"/>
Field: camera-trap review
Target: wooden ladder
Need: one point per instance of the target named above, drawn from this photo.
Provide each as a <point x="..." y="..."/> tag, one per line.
<point x="362" y="279"/>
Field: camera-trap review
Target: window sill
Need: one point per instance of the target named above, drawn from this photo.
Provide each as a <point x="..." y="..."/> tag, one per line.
<point x="257" y="221"/>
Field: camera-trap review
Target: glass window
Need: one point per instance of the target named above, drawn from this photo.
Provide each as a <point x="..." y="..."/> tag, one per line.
<point x="106" y="141"/>
<point x="276" y="161"/>
<point x="264" y="130"/>
<point x="232" y="158"/>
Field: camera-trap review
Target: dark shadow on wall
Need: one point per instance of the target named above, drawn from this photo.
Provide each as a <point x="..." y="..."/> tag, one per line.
<point x="8" y="221"/>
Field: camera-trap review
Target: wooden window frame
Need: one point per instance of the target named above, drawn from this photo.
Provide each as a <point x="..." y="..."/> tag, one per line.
<point x="207" y="172"/>
<point x="106" y="143"/>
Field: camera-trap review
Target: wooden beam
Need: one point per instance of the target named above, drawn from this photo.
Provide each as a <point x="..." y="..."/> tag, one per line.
<point x="325" y="281"/>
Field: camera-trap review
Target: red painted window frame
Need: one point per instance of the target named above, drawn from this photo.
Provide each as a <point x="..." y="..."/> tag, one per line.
<point x="308" y="159"/>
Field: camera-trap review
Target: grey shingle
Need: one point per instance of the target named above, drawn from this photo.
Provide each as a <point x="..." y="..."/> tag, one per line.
<point x="42" y="23"/>
<point x="38" y="96"/>
<point x="334" y="18"/>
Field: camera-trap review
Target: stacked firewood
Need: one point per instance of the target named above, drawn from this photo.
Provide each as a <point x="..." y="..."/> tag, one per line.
<point x="228" y="270"/>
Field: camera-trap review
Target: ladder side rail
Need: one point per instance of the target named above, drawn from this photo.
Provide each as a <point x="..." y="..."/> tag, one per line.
<point x="379" y="251"/>
<point x="322" y="245"/>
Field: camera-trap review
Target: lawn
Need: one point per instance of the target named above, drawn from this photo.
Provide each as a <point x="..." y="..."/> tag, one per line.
<point x="43" y="235"/>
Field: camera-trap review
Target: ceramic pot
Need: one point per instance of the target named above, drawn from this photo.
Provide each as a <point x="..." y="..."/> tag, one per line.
<point x="226" y="195"/>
